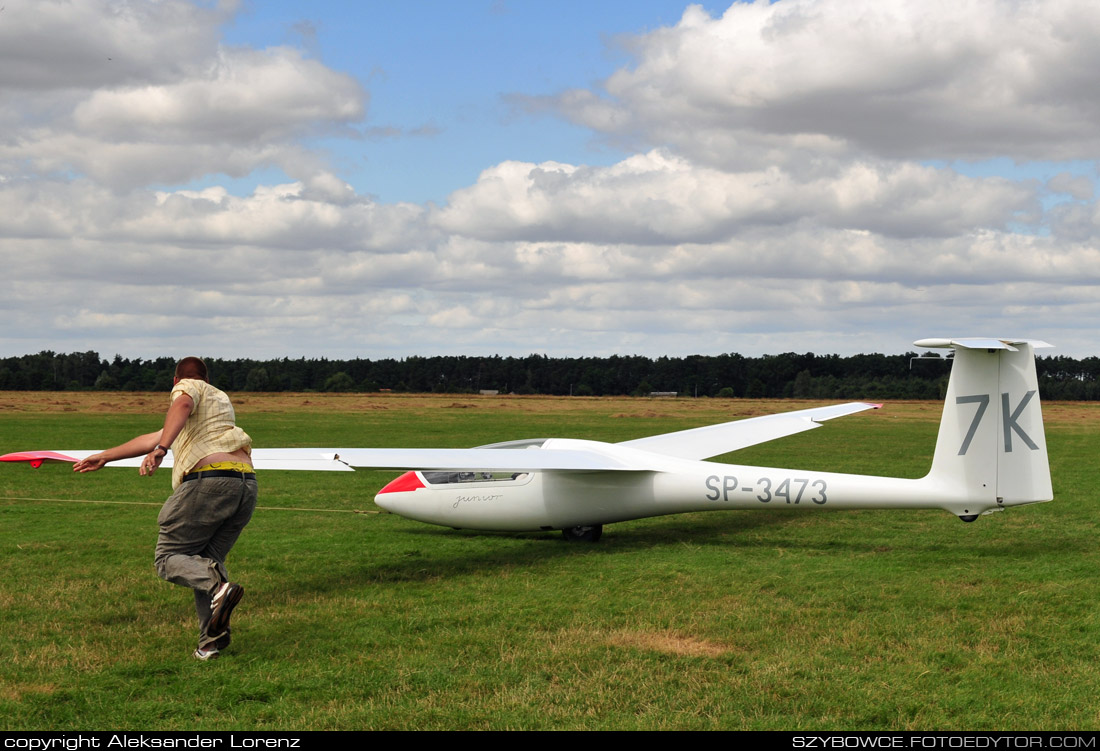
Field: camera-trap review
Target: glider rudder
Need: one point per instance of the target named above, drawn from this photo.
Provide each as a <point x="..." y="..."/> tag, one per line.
<point x="991" y="446"/>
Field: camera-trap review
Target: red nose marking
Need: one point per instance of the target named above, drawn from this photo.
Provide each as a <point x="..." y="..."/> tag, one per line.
<point x="406" y="483"/>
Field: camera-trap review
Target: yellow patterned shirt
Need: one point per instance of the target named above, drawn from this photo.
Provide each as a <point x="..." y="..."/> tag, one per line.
<point x="211" y="428"/>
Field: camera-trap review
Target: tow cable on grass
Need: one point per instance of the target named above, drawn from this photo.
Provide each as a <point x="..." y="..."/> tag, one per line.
<point x="151" y="503"/>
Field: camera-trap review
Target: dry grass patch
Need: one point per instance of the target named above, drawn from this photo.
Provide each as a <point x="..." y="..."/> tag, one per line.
<point x="17" y="693"/>
<point x="668" y="642"/>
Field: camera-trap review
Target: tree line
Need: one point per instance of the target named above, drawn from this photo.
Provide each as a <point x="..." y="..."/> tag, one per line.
<point x="787" y="375"/>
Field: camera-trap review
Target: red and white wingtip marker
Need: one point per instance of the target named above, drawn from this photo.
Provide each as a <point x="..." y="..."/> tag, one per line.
<point x="37" y="457"/>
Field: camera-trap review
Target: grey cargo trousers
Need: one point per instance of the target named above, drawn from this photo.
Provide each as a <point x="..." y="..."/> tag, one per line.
<point x="199" y="523"/>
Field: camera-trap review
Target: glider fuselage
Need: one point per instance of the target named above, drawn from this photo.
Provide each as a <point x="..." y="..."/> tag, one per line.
<point x="556" y="500"/>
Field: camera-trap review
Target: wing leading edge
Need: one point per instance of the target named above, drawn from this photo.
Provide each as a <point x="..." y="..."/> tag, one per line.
<point x="514" y="460"/>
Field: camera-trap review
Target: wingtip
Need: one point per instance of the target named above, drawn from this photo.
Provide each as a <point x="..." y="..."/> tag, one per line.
<point x="36" y="458"/>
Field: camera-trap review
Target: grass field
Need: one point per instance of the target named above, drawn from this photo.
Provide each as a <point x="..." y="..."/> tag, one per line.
<point x="356" y="619"/>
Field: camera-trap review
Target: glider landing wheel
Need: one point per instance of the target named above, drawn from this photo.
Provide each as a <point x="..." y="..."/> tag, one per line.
<point x="583" y="534"/>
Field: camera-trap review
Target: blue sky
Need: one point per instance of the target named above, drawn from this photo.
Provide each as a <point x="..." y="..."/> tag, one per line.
<point x="492" y="49"/>
<point x="274" y="179"/>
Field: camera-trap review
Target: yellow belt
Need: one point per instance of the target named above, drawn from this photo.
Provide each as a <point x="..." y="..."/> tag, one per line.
<point x="233" y="466"/>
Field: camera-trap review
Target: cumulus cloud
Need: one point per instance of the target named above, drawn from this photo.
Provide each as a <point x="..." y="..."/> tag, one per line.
<point x="967" y="79"/>
<point x="1074" y="186"/>
<point x="240" y="96"/>
<point x="138" y="93"/>
<point x="657" y="198"/>
<point x="302" y="264"/>
<point x="52" y="45"/>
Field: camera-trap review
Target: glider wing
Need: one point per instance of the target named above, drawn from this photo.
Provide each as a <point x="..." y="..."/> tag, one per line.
<point x="523" y="456"/>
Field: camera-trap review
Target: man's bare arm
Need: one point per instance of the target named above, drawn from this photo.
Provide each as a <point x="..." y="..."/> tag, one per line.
<point x="145" y="444"/>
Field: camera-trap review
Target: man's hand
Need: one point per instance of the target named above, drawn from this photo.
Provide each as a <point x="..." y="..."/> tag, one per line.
<point x="91" y="463"/>
<point x="152" y="461"/>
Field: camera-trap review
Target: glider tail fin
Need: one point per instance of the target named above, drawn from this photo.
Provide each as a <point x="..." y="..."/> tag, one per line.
<point x="991" y="446"/>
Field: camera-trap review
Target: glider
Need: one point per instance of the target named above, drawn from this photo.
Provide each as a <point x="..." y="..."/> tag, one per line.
<point x="990" y="454"/>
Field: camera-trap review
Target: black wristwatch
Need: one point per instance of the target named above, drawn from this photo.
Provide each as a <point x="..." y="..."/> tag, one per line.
<point x="162" y="448"/>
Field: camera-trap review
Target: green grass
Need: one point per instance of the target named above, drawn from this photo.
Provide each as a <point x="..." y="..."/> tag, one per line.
<point x="738" y="620"/>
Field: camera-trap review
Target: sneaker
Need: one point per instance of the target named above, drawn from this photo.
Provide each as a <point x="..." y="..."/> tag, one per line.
<point x="222" y="603"/>
<point x="205" y="654"/>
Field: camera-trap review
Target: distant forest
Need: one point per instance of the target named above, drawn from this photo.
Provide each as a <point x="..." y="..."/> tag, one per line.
<point x="788" y="375"/>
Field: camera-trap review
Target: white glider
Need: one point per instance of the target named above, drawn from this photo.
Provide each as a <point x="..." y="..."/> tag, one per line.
<point x="990" y="454"/>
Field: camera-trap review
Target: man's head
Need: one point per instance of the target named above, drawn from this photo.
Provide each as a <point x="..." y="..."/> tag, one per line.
<point x="191" y="367"/>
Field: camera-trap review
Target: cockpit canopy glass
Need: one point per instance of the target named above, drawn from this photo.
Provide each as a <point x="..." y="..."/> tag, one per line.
<point x="450" y="477"/>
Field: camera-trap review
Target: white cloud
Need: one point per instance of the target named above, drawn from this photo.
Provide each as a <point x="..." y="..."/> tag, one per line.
<point x="238" y="96"/>
<point x="1075" y="186"/>
<point x="968" y="79"/>
<point x="657" y="198"/>
<point x="76" y="45"/>
<point x="138" y="93"/>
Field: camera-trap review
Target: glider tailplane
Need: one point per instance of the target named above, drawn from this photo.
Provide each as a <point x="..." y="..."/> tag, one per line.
<point x="991" y="443"/>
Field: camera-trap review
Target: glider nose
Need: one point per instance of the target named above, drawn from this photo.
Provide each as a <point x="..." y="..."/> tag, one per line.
<point x="394" y="496"/>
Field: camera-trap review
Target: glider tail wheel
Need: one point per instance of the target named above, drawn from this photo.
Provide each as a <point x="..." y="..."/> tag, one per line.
<point x="968" y="517"/>
<point x="583" y="534"/>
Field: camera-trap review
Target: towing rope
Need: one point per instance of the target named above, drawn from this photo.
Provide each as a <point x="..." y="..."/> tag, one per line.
<point x="149" y="503"/>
